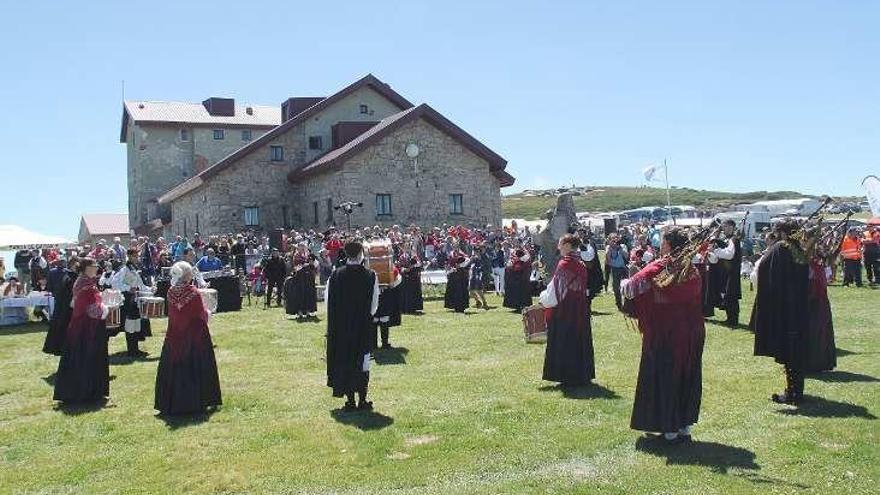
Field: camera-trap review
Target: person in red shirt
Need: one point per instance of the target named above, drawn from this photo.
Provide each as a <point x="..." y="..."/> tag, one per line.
<point x="333" y="246"/>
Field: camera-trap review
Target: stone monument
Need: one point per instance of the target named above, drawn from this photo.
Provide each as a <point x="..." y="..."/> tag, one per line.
<point x="560" y="221"/>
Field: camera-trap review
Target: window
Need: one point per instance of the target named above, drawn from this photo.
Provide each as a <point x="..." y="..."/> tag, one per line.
<point x="276" y="153"/>
<point x="455" y="207"/>
<point x="246" y="135"/>
<point x="365" y="109"/>
<point x="252" y="216"/>
<point x="315" y="143"/>
<point x="218" y="134"/>
<point x="315" y="212"/>
<point x="383" y="204"/>
<point x="184" y="135"/>
<point x="329" y="211"/>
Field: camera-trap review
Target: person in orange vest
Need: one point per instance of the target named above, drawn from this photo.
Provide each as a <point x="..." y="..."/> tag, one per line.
<point x="851" y="252"/>
<point x="871" y="254"/>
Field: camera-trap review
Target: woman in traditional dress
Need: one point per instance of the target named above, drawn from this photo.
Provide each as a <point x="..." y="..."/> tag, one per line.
<point x="300" y="294"/>
<point x="456" y="296"/>
<point x="61" y="287"/>
<point x="568" y="358"/>
<point x="411" y="300"/>
<point x="670" y="319"/>
<point x="517" y="286"/>
<point x="84" y="369"/>
<point x="186" y="381"/>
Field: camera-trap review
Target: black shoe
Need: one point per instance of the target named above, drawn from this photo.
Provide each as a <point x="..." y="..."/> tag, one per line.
<point x="349" y="407"/>
<point x="785" y="398"/>
<point x="365" y="406"/>
<point x="386" y="345"/>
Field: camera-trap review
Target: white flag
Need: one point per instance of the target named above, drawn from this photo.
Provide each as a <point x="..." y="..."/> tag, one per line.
<point x="872" y="191"/>
<point x="651" y="171"/>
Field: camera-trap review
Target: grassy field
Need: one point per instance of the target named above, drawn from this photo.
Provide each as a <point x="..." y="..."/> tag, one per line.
<point x="624" y="198"/>
<point x="460" y="408"/>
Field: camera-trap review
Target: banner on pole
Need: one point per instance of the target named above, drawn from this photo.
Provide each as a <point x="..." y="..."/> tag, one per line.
<point x="872" y="191"/>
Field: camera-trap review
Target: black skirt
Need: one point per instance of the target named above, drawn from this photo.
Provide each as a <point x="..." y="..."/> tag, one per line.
<point x="411" y="299"/>
<point x="389" y="305"/>
<point x="300" y="294"/>
<point x="84" y="369"/>
<point x="457" y="296"/>
<point x="54" y="342"/>
<point x="568" y="358"/>
<point x="190" y="385"/>
<point x="666" y="401"/>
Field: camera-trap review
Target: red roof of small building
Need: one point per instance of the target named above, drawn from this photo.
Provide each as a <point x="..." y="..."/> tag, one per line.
<point x="106" y="223"/>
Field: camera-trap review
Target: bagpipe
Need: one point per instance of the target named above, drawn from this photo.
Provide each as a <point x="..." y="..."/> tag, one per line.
<point x="679" y="264"/>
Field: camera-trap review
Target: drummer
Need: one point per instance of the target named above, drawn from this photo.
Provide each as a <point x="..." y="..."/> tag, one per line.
<point x="128" y="281"/>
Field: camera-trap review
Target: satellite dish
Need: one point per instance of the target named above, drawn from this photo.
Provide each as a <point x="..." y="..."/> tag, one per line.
<point x="412" y="150"/>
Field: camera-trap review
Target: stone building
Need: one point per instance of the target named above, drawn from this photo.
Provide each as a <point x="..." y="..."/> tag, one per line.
<point x="169" y="142"/>
<point x="406" y="164"/>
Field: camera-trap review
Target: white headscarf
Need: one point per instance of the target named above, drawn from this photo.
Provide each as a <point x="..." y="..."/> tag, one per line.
<point x="179" y="271"/>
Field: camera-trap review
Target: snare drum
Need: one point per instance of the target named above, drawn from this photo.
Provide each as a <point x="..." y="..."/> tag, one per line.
<point x="379" y="257"/>
<point x="209" y="299"/>
<point x="151" y="307"/>
<point x="111" y="297"/>
<point x="534" y="324"/>
<point x="114" y="317"/>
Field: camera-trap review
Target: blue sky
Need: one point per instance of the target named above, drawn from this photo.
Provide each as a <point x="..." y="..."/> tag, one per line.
<point x="756" y="95"/>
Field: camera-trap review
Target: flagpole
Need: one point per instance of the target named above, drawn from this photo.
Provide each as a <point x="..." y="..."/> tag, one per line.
<point x="668" y="198"/>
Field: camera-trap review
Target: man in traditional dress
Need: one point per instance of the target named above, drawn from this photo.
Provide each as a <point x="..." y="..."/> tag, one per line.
<point x="275" y="271"/>
<point x="352" y="299"/>
<point x="568" y="358"/>
<point x="725" y="262"/>
<point x="128" y="281"/>
<point x="670" y="319"/>
<point x="780" y="316"/>
<point x="300" y="294"/>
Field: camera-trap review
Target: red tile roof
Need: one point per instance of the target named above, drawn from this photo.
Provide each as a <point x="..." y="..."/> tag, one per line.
<point x="335" y="158"/>
<point x="106" y="223"/>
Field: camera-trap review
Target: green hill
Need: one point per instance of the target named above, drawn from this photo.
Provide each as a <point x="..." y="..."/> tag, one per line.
<point x="532" y="204"/>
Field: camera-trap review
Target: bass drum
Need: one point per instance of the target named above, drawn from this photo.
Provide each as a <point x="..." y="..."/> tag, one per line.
<point x="534" y="324"/>
<point x="380" y="259"/>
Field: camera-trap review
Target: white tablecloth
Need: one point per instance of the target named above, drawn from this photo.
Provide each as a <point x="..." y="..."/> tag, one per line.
<point x="433" y="277"/>
<point x="12" y="309"/>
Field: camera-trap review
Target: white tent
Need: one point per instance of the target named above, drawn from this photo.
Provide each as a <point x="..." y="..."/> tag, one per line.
<point x="14" y="237"/>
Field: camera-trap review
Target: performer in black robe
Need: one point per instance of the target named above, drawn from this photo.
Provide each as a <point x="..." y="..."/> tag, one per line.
<point x="300" y="294"/>
<point x="589" y="255"/>
<point x="352" y="299"/>
<point x="187" y="381"/>
<point x="388" y="312"/>
<point x="60" y="284"/>
<point x="275" y="271"/>
<point x="568" y="358"/>
<point x="84" y="368"/>
<point x="669" y="389"/>
<point x="517" y="286"/>
<point x="725" y="279"/>
<point x="457" y="296"/>
<point x="411" y="300"/>
<point x="780" y="316"/>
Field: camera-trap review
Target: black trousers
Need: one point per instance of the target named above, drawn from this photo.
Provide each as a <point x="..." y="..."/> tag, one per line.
<point x="131" y="342"/>
<point x="731" y="307"/>
<point x="278" y="285"/>
<point x="852" y="272"/>
<point x="362" y="392"/>
<point x="794" y="381"/>
<point x="872" y="266"/>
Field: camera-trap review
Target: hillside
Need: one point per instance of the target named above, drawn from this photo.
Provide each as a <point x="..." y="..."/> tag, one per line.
<point x="532" y="204"/>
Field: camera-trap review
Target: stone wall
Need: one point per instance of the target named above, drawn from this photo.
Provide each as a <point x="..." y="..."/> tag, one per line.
<point x="419" y="188"/>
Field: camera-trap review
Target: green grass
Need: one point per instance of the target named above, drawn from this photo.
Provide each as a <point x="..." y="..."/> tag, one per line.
<point x="623" y="198"/>
<point x="462" y="411"/>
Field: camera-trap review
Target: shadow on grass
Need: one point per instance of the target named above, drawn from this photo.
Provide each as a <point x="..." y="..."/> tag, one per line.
<point x="843" y="352"/>
<point x="33" y="327"/>
<point x="76" y="409"/>
<point x="122" y="358"/>
<point x="715" y="456"/>
<point x="582" y="392"/>
<point x="394" y="355"/>
<point x="842" y="377"/>
<point x="50" y="379"/>
<point x="362" y="420"/>
<point x="177" y="421"/>
<point x="817" y="407"/>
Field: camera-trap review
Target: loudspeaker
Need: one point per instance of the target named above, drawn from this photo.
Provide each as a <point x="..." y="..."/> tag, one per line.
<point x="610" y="225"/>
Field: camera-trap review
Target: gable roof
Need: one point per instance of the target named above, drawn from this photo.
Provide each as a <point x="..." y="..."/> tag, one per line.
<point x="367" y="81"/>
<point x="176" y="112"/>
<point x="106" y="223"/>
<point x="335" y="158"/>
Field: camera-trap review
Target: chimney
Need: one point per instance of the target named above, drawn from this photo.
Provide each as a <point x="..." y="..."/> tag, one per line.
<point x="294" y="106"/>
<point x="220" y="107"/>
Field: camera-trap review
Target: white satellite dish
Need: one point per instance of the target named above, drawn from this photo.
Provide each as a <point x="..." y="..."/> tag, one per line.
<point x="412" y="150"/>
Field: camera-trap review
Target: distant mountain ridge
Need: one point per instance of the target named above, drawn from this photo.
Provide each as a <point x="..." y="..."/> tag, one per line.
<point x="532" y="203"/>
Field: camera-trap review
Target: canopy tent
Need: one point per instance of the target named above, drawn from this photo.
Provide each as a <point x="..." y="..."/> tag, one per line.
<point x="14" y="237"/>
